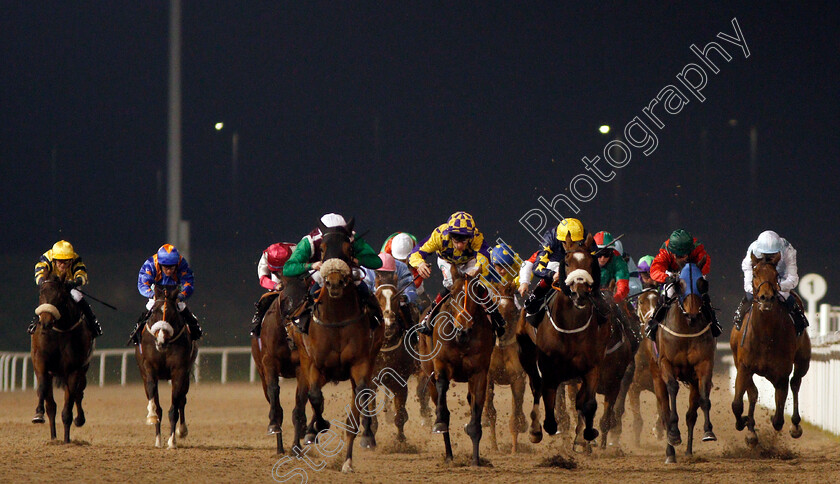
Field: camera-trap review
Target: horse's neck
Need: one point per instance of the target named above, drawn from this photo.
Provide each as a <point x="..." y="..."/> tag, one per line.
<point x="766" y="323"/>
<point x="344" y="307"/>
<point x="565" y="309"/>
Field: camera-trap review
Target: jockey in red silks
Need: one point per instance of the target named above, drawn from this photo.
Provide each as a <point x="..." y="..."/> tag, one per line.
<point x="269" y="271"/>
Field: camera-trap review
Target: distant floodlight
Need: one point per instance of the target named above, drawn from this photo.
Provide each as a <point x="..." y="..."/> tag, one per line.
<point x="604" y="129"/>
<point x="219" y="126"/>
<point x="733" y="122"/>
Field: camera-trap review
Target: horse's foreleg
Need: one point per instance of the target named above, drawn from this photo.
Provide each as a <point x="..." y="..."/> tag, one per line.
<point x="69" y="401"/>
<point x="401" y="414"/>
<point x="778" y="418"/>
<point x="517" y="417"/>
<point x="528" y="360"/>
<point x="635" y="407"/>
<point x="478" y="392"/>
<point x="423" y="394"/>
<point x="620" y="401"/>
<point x="442" y="412"/>
<point x="752" y="397"/>
<point x="275" y="411"/>
<point x="586" y="406"/>
<point x="180" y="387"/>
<point x="609" y="416"/>
<point x="299" y="412"/>
<point x="743" y="380"/>
<point x="49" y="401"/>
<point x="691" y="417"/>
<point x="673" y="387"/>
<point x="154" y="411"/>
<point x="549" y="394"/>
<point x="316" y="400"/>
<point x="560" y="413"/>
<point x="44" y="383"/>
<point x="801" y="363"/>
<point x="489" y="418"/>
<point x="704" y="376"/>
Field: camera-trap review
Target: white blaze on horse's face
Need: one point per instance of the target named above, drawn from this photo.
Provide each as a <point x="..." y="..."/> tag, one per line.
<point x="388" y="310"/>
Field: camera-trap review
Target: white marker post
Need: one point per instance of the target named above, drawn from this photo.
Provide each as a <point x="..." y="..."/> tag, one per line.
<point x="812" y="288"/>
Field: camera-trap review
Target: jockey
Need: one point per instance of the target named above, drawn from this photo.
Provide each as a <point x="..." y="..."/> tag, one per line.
<point x="506" y="264"/>
<point x="65" y="263"/>
<point x="307" y="256"/>
<point x="769" y="242"/>
<point x="457" y="243"/>
<point x="644" y="272"/>
<point x="680" y="249"/>
<point x="400" y="245"/>
<point x="614" y="269"/>
<point x="269" y="270"/>
<point x="166" y="268"/>
<point x="551" y="268"/>
<point x="405" y="283"/>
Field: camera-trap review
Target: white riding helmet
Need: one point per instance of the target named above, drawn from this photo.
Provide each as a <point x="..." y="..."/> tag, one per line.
<point x="401" y="246"/>
<point x="619" y="247"/>
<point x="333" y="220"/>
<point x="768" y="242"/>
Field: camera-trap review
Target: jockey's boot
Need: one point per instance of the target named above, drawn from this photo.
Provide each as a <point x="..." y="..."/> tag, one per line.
<point x="302" y="322"/>
<point x="657" y="318"/>
<point x="498" y="321"/>
<point x="427" y="324"/>
<point x="192" y="323"/>
<point x="33" y="325"/>
<point x="134" y="336"/>
<point x="262" y="307"/>
<point x="92" y="322"/>
<point x="743" y="307"/>
<point x="800" y="322"/>
<point x="375" y="311"/>
<point x="709" y="312"/>
<point x="535" y="304"/>
<point x="628" y="327"/>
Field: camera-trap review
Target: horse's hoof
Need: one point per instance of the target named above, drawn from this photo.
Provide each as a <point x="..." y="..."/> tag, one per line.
<point x="777" y="426"/>
<point x="740" y="423"/>
<point x="440" y="428"/>
<point x="151" y="420"/>
<point x="157" y="442"/>
<point x="670" y="459"/>
<point x="550" y="427"/>
<point x="796" y="431"/>
<point x="182" y="431"/>
<point x="584" y="448"/>
<point x="590" y="434"/>
<point x="752" y="439"/>
<point x="309" y="439"/>
<point x="38" y="418"/>
<point x="273" y="429"/>
<point x="79" y="421"/>
<point x="709" y="436"/>
<point x="367" y="442"/>
<point x="535" y="437"/>
<point x="347" y="467"/>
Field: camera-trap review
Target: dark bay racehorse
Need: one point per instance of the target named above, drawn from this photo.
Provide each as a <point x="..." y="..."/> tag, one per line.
<point x="569" y="343"/>
<point x="505" y="369"/>
<point x="394" y="355"/>
<point x="767" y="346"/>
<point x="61" y="350"/>
<point x="642" y="379"/>
<point x="166" y="352"/>
<point x="613" y="383"/>
<point x="274" y="359"/>
<point x="340" y="345"/>
<point x="462" y="345"/>
<point x="684" y="352"/>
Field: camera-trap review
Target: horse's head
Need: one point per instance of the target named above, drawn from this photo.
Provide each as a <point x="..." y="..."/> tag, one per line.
<point x="167" y="321"/>
<point x="647" y="303"/>
<point x="467" y="310"/>
<point x="692" y="287"/>
<point x="579" y="268"/>
<point x="55" y="304"/>
<point x="336" y="257"/>
<point x="765" y="279"/>
<point x="508" y="309"/>
<point x="389" y="301"/>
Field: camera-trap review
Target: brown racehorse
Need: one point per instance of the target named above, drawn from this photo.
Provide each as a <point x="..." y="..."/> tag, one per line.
<point x="613" y="382"/>
<point x="394" y="357"/>
<point x="569" y="343"/>
<point x="505" y="369"/>
<point x="462" y="345"/>
<point x="274" y="359"/>
<point x="166" y="352"/>
<point x="340" y="344"/>
<point x="642" y="379"/>
<point x="61" y="349"/>
<point x="684" y="352"/>
<point x="767" y="346"/>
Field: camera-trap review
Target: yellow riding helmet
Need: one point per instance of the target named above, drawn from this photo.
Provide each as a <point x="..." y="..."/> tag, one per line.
<point x="63" y="250"/>
<point x="570" y="226"/>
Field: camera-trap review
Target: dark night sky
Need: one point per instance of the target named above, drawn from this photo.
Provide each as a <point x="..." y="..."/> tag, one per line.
<point x="402" y="114"/>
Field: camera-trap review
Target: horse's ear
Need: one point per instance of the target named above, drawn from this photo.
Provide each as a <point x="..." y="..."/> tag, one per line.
<point x="350" y="224"/>
<point x="322" y="227"/>
<point x="755" y="260"/>
<point x="590" y="241"/>
<point x="567" y="244"/>
<point x="776" y="258"/>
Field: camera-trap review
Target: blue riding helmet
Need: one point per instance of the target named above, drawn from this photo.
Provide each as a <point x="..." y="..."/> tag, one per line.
<point x="168" y="255"/>
<point x="502" y="255"/>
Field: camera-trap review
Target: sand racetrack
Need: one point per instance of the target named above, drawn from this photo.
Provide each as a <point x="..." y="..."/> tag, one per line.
<point x="227" y="443"/>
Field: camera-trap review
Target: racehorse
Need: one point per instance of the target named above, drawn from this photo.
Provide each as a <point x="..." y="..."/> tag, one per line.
<point x="341" y="344"/>
<point x="569" y="343"/>
<point x="462" y="345"/>
<point x="684" y="352"/>
<point x="62" y="346"/>
<point x="614" y="381"/>
<point x="394" y="356"/>
<point x="767" y="346"/>
<point x="505" y="369"/>
<point x="166" y="352"/>
<point x="642" y="380"/>
<point x="273" y="359"/>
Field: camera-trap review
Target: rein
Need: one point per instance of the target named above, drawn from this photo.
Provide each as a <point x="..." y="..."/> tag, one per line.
<point x="572" y="331"/>
<point x="685" y="335"/>
<point x="71" y="328"/>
